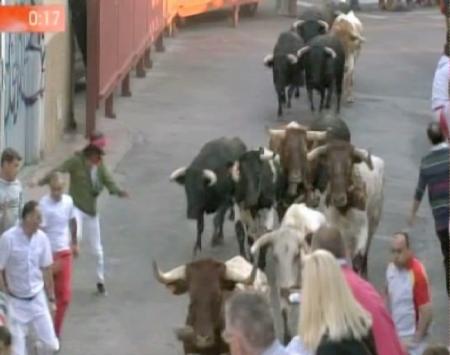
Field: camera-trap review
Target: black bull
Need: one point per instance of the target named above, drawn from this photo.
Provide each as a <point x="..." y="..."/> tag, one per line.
<point x="256" y="176"/>
<point x="208" y="184"/>
<point x="287" y="71"/>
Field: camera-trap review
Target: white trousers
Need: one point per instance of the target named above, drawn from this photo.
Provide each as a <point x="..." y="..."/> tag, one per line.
<point x="88" y="227"/>
<point x="415" y="348"/>
<point x="32" y="318"/>
<point x="442" y="116"/>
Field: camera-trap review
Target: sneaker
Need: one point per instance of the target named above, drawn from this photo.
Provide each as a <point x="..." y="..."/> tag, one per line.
<point x="101" y="289"/>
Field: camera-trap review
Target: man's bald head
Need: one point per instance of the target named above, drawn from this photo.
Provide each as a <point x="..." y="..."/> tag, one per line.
<point x="330" y="239"/>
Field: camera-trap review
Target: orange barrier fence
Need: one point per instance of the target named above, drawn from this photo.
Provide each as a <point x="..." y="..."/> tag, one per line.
<point x="120" y="34"/>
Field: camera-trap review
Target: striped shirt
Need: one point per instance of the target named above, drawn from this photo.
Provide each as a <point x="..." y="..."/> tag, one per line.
<point x="434" y="175"/>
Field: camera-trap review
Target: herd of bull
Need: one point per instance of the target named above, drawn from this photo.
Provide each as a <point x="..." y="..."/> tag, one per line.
<point x="305" y="177"/>
<point x="320" y="49"/>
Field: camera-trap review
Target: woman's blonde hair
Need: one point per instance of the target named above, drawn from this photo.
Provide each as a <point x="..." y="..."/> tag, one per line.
<point x="328" y="306"/>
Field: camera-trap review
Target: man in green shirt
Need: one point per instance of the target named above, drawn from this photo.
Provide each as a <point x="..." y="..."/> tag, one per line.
<point x="88" y="177"/>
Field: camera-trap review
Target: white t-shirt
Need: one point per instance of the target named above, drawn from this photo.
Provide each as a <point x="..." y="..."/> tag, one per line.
<point x="56" y="216"/>
<point x="11" y="200"/>
<point x="439" y="94"/>
<point x="22" y="258"/>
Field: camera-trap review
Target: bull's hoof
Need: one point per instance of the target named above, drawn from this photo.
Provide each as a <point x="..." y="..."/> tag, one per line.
<point x="217" y="240"/>
<point x="350" y="100"/>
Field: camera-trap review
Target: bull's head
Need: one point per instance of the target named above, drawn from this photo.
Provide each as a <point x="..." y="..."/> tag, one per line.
<point x="289" y="246"/>
<point x="320" y="63"/>
<point x="339" y="159"/>
<point x="206" y="281"/>
<point x="347" y="33"/>
<point x="292" y="146"/>
<point x="249" y="173"/>
<point x="308" y="29"/>
<point x="195" y="184"/>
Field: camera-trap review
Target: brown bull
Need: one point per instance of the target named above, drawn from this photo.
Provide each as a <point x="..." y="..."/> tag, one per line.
<point x="343" y="192"/>
<point x="209" y="283"/>
<point x="291" y="144"/>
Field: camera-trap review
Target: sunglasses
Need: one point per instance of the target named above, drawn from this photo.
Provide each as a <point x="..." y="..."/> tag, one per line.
<point x="396" y="251"/>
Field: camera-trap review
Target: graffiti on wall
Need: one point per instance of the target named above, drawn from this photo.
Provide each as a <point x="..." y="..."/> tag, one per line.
<point x="24" y="64"/>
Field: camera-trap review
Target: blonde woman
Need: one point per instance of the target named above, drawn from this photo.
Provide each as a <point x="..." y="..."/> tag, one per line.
<point x="331" y="320"/>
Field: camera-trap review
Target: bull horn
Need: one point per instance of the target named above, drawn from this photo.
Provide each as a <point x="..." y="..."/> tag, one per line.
<point x="179" y="273"/>
<point x="238" y="277"/>
<point x="324" y="24"/>
<point x="316" y="135"/>
<point x="277" y="132"/>
<point x="298" y="23"/>
<point x="266" y="154"/>
<point x="361" y="38"/>
<point x="268" y="59"/>
<point x="315" y="153"/>
<point x="211" y="176"/>
<point x="178" y="173"/>
<point x="234" y="171"/>
<point x="292" y="58"/>
<point x="265" y="239"/>
<point x="331" y="52"/>
<point x="302" y="51"/>
<point x="184" y="333"/>
<point x="365" y="156"/>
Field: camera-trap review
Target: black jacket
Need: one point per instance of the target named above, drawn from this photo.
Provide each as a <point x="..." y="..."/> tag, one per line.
<point x="366" y="346"/>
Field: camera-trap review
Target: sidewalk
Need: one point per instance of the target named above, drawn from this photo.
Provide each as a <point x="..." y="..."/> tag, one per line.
<point x="118" y="137"/>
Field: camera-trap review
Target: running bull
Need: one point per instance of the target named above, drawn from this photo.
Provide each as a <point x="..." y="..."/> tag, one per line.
<point x="287" y="71"/>
<point x="209" y="283"/>
<point x="291" y="144"/>
<point x="256" y="175"/>
<point x="208" y="184"/>
<point x="324" y="62"/>
<point x="354" y="196"/>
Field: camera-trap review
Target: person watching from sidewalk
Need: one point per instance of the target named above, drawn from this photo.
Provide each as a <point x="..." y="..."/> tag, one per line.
<point x="439" y="93"/>
<point x="434" y="176"/>
<point x="386" y="339"/>
<point x="25" y="272"/>
<point x="11" y="193"/>
<point x="88" y="177"/>
<point x="408" y="295"/>
<point x="59" y="223"/>
<point x="249" y="326"/>
<point x="331" y="320"/>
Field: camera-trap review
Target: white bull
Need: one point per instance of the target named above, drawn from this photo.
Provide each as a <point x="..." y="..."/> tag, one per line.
<point x="239" y="265"/>
<point x="348" y="28"/>
<point x="288" y="244"/>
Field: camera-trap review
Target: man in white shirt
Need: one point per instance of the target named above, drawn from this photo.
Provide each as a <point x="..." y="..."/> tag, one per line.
<point x="26" y="276"/>
<point x="59" y="223"/>
<point x="440" y="95"/>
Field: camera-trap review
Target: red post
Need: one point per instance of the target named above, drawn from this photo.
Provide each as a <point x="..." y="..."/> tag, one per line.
<point x="140" y="70"/>
<point x="126" y="91"/>
<point x="148" y="62"/>
<point x="109" y="106"/>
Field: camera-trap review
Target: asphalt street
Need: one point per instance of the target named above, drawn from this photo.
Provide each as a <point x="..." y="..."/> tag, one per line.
<point x="211" y="82"/>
